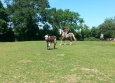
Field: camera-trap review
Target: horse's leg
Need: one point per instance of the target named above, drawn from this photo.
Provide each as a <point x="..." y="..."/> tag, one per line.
<point x="100" y="39"/>
<point x="70" y="41"/>
<point x="55" y="43"/>
<point x="65" y="42"/>
<point x="61" y="42"/>
<point x="48" y="45"/>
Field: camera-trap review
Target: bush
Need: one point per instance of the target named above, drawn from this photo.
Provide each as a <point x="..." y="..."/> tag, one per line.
<point x="91" y="39"/>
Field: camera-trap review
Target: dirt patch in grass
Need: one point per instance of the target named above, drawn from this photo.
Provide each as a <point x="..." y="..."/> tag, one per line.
<point x="24" y="61"/>
<point x="60" y="55"/>
<point x="94" y="73"/>
<point x="71" y="78"/>
<point x="87" y="69"/>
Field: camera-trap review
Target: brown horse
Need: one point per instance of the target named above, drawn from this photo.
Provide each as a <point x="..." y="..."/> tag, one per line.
<point x="49" y="40"/>
<point x="67" y="36"/>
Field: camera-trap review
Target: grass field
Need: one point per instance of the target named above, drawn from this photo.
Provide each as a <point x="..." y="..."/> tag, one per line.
<point x="82" y="62"/>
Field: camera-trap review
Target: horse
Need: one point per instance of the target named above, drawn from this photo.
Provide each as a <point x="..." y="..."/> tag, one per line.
<point x="101" y="36"/>
<point x="49" y="40"/>
<point x="112" y="39"/>
<point x="67" y="36"/>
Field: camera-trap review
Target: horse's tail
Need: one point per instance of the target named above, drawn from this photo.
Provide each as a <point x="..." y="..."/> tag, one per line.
<point x="73" y="36"/>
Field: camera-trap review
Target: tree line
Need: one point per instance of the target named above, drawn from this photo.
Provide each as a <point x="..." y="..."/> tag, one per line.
<point x="27" y="20"/>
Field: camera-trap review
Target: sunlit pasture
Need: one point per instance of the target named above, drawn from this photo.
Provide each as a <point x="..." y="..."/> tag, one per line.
<point x="81" y="62"/>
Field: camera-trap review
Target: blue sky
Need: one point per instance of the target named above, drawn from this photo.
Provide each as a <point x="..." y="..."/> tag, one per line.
<point x="94" y="12"/>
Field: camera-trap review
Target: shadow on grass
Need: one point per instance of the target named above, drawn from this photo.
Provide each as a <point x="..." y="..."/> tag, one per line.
<point x="52" y="48"/>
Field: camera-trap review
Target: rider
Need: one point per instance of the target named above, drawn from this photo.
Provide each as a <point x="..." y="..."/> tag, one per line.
<point x="66" y="31"/>
<point x="101" y="36"/>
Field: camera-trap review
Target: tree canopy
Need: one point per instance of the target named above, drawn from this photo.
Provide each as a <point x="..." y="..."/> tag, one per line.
<point x="3" y="19"/>
<point x="108" y="27"/>
<point x="32" y="19"/>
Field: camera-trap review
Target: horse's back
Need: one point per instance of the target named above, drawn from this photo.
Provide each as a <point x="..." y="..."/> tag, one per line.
<point x="52" y="38"/>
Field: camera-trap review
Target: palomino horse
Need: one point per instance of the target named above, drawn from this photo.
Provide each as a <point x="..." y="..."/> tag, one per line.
<point x="101" y="36"/>
<point x="67" y="36"/>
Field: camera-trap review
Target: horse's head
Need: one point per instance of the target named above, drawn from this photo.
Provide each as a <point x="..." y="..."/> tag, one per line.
<point x="60" y="31"/>
<point x="46" y="37"/>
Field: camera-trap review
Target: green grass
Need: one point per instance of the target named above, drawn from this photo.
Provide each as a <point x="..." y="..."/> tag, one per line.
<point x="82" y="62"/>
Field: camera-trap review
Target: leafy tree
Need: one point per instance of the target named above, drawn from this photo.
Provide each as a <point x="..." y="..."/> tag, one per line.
<point x="108" y="27"/>
<point x="6" y="33"/>
<point x="3" y="19"/>
<point x="25" y="16"/>
<point x="86" y="31"/>
<point x="95" y="32"/>
<point x="61" y="18"/>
